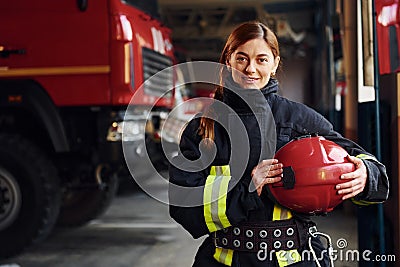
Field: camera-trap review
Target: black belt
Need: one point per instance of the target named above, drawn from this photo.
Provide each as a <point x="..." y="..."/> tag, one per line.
<point x="252" y="237"/>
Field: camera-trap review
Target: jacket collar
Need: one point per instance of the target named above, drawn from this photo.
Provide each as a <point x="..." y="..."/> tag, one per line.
<point x="247" y="100"/>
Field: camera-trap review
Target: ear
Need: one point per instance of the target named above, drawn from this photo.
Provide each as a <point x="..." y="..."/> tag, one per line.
<point x="276" y="64"/>
<point x="228" y="66"/>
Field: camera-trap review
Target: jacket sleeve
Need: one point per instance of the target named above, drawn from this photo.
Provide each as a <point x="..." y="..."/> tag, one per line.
<point x="201" y="199"/>
<point x="377" y="187"/>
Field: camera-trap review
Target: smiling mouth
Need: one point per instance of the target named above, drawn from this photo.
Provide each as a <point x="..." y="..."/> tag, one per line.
<point x="250" y="79"/>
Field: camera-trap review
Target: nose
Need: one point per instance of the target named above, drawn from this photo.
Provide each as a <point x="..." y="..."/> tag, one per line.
<point x="250" y="67"/>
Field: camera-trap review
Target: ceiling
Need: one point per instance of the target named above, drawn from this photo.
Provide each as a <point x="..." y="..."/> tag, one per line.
<point x="200" y="27"/>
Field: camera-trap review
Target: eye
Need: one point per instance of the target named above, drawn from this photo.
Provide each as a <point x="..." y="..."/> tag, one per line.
<point x="241" y="59"/>
<point x="263" y="60"/>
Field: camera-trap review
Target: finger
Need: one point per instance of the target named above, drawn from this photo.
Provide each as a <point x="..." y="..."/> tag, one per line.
<point x="351" y="175"/>
<point x="272" y="180"/>
<point x="273" y="173"/>
<point x="351" y="158"/>
<point x="355" y="160"/>
<point x="352" y="194"/>
<point x="350" y="190"/>
<point x="273" y="170"/>
<point x="267" y="162"/>
<point x="275" y="166"/>
<point x="267" y="169"/>
<point x="348" y="184"/>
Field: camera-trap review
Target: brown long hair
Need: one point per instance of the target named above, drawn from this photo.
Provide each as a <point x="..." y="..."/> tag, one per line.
<point x="243" y="33"/>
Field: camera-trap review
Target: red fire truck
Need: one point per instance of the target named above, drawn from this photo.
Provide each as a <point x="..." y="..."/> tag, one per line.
<point x="388" y="33"/>
<point x="68" y="70"/>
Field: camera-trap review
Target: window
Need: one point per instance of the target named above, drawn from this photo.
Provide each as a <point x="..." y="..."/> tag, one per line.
<point x="148" y="6"/>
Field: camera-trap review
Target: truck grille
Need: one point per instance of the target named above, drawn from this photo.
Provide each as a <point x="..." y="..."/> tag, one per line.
<point x="153" y="62"/>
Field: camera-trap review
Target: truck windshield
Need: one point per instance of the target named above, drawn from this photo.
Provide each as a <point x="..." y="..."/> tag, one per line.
<point x="148" y="6"/>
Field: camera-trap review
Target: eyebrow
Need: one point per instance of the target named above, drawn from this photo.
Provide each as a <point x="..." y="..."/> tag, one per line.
<point x="244" y="54"/>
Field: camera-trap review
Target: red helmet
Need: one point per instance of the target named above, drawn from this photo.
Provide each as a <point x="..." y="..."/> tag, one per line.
<point x="311" y="169"/>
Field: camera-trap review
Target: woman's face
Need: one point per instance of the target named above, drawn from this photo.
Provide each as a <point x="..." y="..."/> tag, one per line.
<point x="252" y="64"/>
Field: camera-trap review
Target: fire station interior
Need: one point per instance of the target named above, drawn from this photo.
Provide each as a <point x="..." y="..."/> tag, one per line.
<point x="319" y="56"/>
<point x="339" y="57"/>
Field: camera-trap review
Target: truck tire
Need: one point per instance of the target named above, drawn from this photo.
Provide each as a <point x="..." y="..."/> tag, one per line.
<point x="80" y="206"/>
<point x="29" y="194"/>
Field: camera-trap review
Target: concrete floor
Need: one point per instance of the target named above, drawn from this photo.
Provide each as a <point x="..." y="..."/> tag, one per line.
<point x="341" y="225"/>
<point x="137" y="231"/>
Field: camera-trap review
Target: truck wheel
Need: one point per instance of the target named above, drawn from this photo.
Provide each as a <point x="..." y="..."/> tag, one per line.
<point x="81" y="205"/>
<point x="29" y="194"/>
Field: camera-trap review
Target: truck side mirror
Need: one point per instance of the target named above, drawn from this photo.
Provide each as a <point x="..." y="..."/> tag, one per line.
<point x="82" y="4"/>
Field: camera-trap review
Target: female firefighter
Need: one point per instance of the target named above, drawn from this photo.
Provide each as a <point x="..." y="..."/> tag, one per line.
<point x="244" y="226"/>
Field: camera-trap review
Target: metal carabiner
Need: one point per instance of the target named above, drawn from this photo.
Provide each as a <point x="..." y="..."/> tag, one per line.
<point x="314" y="233"/>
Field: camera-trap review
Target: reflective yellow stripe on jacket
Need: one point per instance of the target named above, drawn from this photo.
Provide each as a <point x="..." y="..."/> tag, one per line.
<point x="365" y="156"/>
<point x="215" y="192"/>
<point x="224" y="256"/>
<point x="214" y="198"/>
<point x="285" y="257"/>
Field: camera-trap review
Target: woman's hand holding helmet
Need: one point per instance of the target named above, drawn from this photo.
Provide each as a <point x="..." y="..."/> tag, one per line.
<point x="358" y="180"/>
<point x="266" y="172"/>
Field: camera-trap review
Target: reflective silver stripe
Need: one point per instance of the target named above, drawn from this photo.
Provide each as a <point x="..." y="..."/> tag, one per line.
<point x="286" y="258"/>
<point x="214" y="203"/>
<point x="280" y="213"/>
<point x="218" y="170"/>
<point x="285" y="214"/>
<point x="224" y="256"/>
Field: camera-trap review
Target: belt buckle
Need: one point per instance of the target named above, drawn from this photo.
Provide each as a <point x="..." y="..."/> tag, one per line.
<point x="215" y="238"/>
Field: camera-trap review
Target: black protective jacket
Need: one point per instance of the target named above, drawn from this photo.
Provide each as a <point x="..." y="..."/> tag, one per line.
<point x="254" y="108"/>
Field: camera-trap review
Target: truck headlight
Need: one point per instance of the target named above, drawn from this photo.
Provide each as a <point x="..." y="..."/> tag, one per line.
<point x="126" y="131"/>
